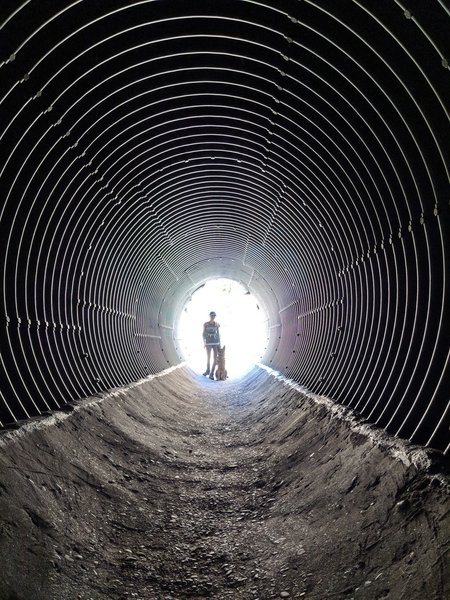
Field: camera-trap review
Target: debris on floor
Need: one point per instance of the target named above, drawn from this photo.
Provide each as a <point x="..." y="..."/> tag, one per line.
<point x="246" y="490"/>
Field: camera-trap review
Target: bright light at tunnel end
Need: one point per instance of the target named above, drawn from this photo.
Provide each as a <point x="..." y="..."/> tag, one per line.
<point x="243" y="326"/>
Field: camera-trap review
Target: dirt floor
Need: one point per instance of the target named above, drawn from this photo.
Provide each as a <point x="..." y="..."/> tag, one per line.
<point x="182" y="487"/>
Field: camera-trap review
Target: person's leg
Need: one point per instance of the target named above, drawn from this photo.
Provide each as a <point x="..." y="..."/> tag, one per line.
<point x="208" y="359"/>
<point x="214" y="349"/>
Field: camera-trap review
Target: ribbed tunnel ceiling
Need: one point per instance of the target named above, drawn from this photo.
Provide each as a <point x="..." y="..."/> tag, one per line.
<point x="300" y="147"/>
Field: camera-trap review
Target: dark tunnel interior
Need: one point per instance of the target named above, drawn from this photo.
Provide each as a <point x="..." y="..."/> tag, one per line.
<point x="298" y="147"/>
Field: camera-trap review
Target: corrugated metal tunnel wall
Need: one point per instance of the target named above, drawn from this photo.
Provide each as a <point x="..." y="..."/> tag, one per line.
<point x="300" y="147"/>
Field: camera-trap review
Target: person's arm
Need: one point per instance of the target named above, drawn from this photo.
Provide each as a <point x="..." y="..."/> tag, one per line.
<point x="204" y="334"/>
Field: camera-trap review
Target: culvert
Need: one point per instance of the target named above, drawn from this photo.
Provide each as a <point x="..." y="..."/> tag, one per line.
<point x="298" y="147"/>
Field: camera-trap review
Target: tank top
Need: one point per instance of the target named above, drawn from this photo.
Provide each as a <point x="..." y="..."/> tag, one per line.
<point x="211" y="334"/>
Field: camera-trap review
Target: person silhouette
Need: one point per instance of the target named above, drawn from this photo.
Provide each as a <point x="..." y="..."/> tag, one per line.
<point x="211" y="341"/>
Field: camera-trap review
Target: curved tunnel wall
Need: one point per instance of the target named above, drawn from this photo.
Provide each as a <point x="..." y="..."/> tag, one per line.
<point x="300" y="147"/>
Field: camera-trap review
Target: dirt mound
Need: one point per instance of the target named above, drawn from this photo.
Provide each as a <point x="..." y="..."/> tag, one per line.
<point x="182" y="487"/>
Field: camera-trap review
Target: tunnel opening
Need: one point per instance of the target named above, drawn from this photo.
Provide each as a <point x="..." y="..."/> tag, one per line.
<point x="244" y="329"/>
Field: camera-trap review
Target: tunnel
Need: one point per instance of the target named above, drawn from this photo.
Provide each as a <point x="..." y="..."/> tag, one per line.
<point x="298" y="147"/>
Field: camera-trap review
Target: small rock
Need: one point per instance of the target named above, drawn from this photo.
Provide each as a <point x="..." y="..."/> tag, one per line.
<point x="284" y="595"/>
<point x="403" y="505"/>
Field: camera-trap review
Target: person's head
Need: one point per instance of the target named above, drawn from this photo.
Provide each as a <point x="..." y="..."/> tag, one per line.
<point x="212" y="315"/>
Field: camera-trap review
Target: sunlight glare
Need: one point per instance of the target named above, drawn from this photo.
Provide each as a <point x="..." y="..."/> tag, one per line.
<point x="243" y="326"/>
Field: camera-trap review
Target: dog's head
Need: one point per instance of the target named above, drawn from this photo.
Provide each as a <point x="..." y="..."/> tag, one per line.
<point x="221" y="352"/>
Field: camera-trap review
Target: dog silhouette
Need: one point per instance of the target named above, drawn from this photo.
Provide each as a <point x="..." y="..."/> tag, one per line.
<point x="221" y="372"/>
